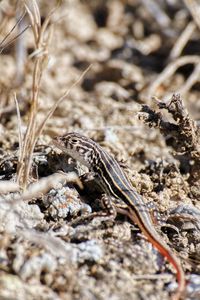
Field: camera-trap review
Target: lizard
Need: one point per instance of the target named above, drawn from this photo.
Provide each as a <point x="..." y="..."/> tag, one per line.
<point x="120" y="196"/>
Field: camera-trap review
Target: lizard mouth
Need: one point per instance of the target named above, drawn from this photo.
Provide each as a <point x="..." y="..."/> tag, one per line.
<point x="59" y="144"/>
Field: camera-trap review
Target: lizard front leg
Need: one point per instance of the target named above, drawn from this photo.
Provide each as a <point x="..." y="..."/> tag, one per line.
<point x="92" y="187"/>
<point x="108" y="213"/>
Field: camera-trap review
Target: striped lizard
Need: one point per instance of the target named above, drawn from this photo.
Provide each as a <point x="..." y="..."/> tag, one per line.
<point x="120" y="195"/>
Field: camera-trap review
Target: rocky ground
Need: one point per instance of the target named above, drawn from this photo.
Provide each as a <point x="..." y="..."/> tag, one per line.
<point x="125" y="73"/>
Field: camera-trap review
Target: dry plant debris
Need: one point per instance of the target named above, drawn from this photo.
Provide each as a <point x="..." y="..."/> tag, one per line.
<point x="183" y="134"/>
<point x="88" y="66"/>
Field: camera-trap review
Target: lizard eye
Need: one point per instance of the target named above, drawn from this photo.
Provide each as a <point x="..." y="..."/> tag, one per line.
<point x="74" y="141"/>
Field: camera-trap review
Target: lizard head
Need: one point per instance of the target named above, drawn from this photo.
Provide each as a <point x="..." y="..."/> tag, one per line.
<point x="77" y="146"/>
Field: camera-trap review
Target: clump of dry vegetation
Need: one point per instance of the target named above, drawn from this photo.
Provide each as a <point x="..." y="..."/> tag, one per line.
<point x="125" y="73"/>
<point x="182" y="135"/>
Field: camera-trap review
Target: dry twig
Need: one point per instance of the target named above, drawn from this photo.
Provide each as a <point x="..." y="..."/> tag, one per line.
<point x="158" y="14"/>
<point x="170" y="70"/>
<point x="36" y="190"/>
<point x="8" y="186"/>
<point x="182" y="41"/>
<point x="194" y="9"/>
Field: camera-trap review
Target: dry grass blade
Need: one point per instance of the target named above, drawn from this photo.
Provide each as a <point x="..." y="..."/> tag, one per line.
<point x="42" y="39"/>
<point x="41" y="127"/>
<point x="41" y="44"/>
<point x="33" y="24"/>
<point x="36" y="13"/>
<point x="19" y="125"/>
<point x="46" y="21"/>
<point x="2" y="47"/>
<point x="66" y="93"/>
<point x="13" y="28"/>
<point x="14" y="39"/>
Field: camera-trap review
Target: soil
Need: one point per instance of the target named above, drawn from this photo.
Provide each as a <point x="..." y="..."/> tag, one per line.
<point x="128" y="72"/>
